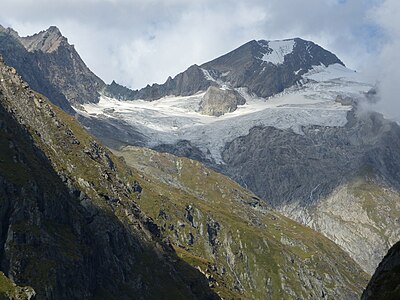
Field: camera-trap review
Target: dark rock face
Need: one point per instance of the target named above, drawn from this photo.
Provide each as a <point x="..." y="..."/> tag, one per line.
<point x="245" y="67"/>
<point x="217" y="102"/>
<point x="51" y="66"/>
<point x="184" y="148"/>
<point x="285" y="167"/>
<point x="113" y="132"/>
<point x="69" y="226"/>
<point x="385" y="283"/>
<point x="184" y="84"/>
<point x="118" y="91"/>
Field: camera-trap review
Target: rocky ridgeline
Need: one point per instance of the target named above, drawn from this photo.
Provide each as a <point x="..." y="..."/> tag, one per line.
<point x="51" y="66"/>
<point x="70" y="226"/>
<point x="243" y="67"/>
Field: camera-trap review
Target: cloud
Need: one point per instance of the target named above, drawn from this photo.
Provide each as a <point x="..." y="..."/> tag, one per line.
<point x="144" y="41"/>
<point x="384" y="68"/>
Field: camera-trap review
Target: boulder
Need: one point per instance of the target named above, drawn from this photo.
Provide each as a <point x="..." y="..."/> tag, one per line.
<point x="217" y="102"/>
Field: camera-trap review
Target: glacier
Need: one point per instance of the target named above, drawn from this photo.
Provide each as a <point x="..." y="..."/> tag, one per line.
<point x="170" y="119"/>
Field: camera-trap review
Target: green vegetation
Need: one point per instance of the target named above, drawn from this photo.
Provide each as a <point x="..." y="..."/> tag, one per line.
<point x="246" y="250"/>
<point x="8" y="289"/>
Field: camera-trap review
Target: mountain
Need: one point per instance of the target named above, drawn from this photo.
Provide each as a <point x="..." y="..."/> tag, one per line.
<point x="69" y="226"/>
<point x="385" y="283"/>
<point x="263" y="67"/>
<point x="266" y="68"/>
<point x="74" y="221"/>
<point x="308" y="151"/>
<point x="51" y="66"/>
<point x="301" y="141"/>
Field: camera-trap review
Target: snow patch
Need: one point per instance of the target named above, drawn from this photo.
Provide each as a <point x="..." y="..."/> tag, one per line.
<point x="277" y="50"/>
<point x="207" y="75"/>
<point x="222" y="84"/>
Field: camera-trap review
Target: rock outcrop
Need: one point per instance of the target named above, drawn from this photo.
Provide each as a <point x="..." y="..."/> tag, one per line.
<point x="217" y="102"/>
<point x="385" y="283"/>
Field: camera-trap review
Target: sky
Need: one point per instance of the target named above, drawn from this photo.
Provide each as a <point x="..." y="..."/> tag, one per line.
<point x="139" y="42"/>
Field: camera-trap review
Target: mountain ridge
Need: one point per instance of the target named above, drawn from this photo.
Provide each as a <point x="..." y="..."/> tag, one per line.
<point x="51" y="66"/>
<point x="241" y="67"/>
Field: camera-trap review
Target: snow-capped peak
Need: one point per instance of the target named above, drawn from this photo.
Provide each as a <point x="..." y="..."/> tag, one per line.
<point x="277" y="50"/>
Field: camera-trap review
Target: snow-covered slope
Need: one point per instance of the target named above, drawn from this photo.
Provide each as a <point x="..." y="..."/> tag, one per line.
<point x="277" y="50"/>
<point x="170" y="119"/>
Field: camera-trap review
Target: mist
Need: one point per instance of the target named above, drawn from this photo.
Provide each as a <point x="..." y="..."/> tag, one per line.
<point x="385" y="69"/>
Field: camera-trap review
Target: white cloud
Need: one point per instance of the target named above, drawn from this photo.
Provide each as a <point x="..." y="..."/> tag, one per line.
<point x="144" y="41"/>
<point x="386" y="66"/>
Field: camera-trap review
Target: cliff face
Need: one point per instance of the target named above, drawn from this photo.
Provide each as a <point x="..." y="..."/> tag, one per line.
<point x="69" y="226"/>
<point x="385" y="284"/>
<point x="51" y="66"/>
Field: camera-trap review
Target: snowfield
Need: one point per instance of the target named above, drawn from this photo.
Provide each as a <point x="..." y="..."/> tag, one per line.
<point x="277" y="51"/>
<point x="171" y="119"/>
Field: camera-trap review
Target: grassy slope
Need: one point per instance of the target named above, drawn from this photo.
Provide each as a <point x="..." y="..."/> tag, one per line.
<point x="254" y="252"/>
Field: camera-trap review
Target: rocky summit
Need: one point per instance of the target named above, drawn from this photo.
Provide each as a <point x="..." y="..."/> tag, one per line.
<point x="263" y="67"/>
<point x="51" y="66"/>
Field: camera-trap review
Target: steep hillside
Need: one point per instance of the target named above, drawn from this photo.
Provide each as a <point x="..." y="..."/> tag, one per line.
<point x="385" y="284"/>
<point x="242" y="246"/>
<point x="51" y="66"/>
<point x="69" y="227"/>
<point x="312" y="177"/>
